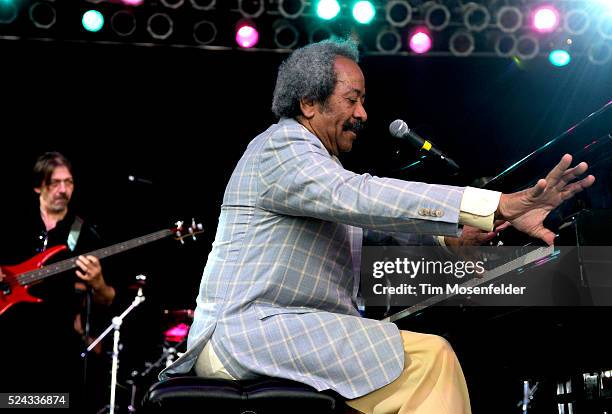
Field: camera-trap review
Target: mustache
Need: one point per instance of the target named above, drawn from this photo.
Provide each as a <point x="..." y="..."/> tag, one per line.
<point x="355" y="126"/>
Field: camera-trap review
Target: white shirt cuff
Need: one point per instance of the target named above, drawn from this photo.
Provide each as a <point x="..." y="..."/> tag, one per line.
<point x="478" y="208"/>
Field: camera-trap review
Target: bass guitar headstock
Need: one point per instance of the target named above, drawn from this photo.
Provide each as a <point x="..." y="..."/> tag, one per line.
<point x="181" y="233"/>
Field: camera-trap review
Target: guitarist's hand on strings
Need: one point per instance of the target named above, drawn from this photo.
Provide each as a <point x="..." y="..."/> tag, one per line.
<point x="91" y="272"/>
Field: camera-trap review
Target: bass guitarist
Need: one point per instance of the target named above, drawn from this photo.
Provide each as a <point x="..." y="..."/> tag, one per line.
<point x="41" y="342"/>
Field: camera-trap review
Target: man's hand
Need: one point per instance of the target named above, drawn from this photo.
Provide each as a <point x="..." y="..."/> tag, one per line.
<point x="527" y="209"/>
<point x="472" y="236"/>
<point x="91" y="271"/>
<point x="1" y="275"/>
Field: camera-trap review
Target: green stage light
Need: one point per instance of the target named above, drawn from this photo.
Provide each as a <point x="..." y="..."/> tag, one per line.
<point x="559" y="57"/>
<point x="328" y="9"/>
<point x="364" y="12"/>
<point x="92" y="20"/>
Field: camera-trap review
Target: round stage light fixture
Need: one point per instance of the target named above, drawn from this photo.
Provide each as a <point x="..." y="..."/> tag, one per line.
<point x="577" y="21"/>
<point x="545" y="19"/>
<point x="509" y="19"/>
<point x="204" y="32"/>
<point x="42" y="15"/>
<point x="398" y="13"/>
<point x="388" y="40"/>
<point x="327" y="9"/>
<point x="203" y="5"/>
<point x="92" y="21"/>
<point x="291" y="9"/>
<point x="247" y="35"/>
<point x="462" y="43"/>
<point x="364" y="12"/>
<point x="476" y="17"/>
<point x="604" y="26"/>
<point x="286" y="35"/>
<point x="123" y="23"/>
<point x="559" y="57"/>
<point x="437" y="16"/>
<point x="420" y="41"/>
<point x="527" y="47"/>
<point x="160" y="26"/>
<point x="599" y="53"/>
<point x="505" y="45"/>
<point x="251" y="8"/>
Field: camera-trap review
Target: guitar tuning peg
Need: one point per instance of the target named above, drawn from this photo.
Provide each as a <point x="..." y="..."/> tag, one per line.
<point x="199" y="226"/>
<point x="179" y="224"/>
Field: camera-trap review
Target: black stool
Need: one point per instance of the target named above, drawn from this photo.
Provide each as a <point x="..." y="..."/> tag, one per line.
<point x="186" y="395"/>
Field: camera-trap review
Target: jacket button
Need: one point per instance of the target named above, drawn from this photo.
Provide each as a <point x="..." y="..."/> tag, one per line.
<point x="422" y="212"/>
<point x="439" y="213"/>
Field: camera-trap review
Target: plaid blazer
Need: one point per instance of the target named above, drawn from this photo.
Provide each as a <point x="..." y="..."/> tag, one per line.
<point x="278" y="293"/>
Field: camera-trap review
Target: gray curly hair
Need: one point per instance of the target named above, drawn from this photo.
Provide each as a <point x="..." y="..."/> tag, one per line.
<point x="309" y="73"/>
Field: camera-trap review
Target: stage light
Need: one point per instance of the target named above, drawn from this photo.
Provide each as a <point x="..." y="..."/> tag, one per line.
<point x="599" y="53"/>
<point x="319" y="33"/>
<point x="577" y="21"/>
<point x="461" y="43"/>
<point x="420" y="41"/>
<point x="388" y="40"/>
<point x="364" y="12"/>
<point x="286" y="36"/>
<point x="398" y="13"/>
<point x="606" y="4"/>
<point x="160" y="26"/>
<point x="527" y="47"/>
<point x="8" y="11"/>
<point x="247" y="35"/>
<point x="92" y="21"/>
<point x="203" y="4"/>
<point x="509" y="19"/>
<point x="204" y="32"/>
<point x="505" y="45"/>
<point x="132" y="2"/>
<point x="545" y="19"/>
<point x="172" y="4"/>
<point x="251" y="8"/>
<point x="123" y="23"/>
<point x="291" y="9"/>
<point x="476" y="17"/>
<point x="559" y="57"/>
<point x="42" y="15"/>
<point x="327" y="9"/>
<point x="437" y="16"/>
<point x="604" y="26"/>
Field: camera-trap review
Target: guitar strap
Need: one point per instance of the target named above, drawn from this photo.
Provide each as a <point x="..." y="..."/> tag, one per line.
<point x="75" y="232"/>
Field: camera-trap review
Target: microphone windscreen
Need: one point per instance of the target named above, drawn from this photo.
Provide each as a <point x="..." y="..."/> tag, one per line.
<point x="398" y="128"/>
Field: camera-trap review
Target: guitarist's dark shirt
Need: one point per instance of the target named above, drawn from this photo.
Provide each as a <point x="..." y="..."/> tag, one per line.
<point x="39" y="345"/>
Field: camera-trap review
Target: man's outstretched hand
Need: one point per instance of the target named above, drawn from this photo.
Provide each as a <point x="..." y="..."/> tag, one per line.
<point x="527" y="209"/>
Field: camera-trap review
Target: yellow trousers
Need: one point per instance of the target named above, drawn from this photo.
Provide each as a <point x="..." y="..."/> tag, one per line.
<point x="432" y="382"/>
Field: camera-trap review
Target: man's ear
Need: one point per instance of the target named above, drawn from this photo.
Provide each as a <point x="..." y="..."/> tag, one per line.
<point x="308" y="108"/>
<point x="37" y="190"/>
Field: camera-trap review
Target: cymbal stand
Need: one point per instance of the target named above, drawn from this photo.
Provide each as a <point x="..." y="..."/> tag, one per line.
<point x="116" y="326"/>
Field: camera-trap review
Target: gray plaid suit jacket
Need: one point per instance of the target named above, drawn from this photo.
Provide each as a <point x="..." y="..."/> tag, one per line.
<point x="278" y="293"/>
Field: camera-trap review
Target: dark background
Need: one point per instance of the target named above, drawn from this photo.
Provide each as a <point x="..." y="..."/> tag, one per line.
<point x="181" y="118"/>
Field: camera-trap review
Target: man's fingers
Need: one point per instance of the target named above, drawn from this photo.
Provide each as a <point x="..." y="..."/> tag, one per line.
<point x="556" y="173"/>
<point x="547" y="236"/>
<point x="502" y="226"/>
<point x="571" y="189"/>
<point x="572" y="174"/>
<point x="538" y="189"/>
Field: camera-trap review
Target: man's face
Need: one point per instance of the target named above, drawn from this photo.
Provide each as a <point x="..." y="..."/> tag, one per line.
<point x="56" y="195"/>
<point x="338" y="121"/>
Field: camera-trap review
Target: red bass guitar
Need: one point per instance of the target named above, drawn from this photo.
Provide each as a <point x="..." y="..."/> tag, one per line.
<point x="18" y="278"/>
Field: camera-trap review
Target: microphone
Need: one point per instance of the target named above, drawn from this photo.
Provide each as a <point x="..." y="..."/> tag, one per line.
<point x="133" y="179"/>
<point x="400" y="129"/>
